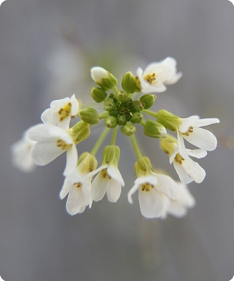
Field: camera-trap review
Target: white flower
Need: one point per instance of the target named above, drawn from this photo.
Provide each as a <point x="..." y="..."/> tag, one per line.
<point x="152" y="192"/>
<point x="179" y="207"/>
<point x="157" y="75"/>
<point x="186" y="168"/>
<point x="109" y="180"/>
<point x="60" y="112"/>
<point x="190" y="130"/>
<point x="21" y="154"/>
<point x="52" y="141"/>
<point x="76" y="186"/>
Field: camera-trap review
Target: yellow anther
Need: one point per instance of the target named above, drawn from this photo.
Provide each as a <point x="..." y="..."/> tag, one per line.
<point x="150" y="78"/>
<point x="65" y="111"/>
<point x="190" y="130"/>
<point x="78" y="184"/>
<point x="62" y="144"/>
<point x="146" y="187"/>
<point x="179" y="158"/>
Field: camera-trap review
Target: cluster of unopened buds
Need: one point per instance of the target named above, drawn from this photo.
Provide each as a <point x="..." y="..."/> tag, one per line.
<point x="127" y="108"/>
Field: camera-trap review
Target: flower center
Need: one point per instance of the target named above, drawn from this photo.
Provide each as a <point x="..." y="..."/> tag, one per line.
<point x="190" y="130"/>
<point x="104" y="174"/>
<point x="179" y="158"/>
<point x="65" y="111"/>
<point x="78" y="184"/>
<point x="62" y="144"/>
<point x="150" y="78"/>
<point x="146" y="187"/>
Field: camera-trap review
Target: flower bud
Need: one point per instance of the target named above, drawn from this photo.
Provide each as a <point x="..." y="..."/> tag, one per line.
<point x="103" y="78"/>
<point x="143" y="167"/>
<point x="111" y="122"/>
<point x="148" y="100"/>
<point x="138" y="105"/>
<point x="137" y="117"/>
<point x="129" y="83"/>
<point x="168" y="120"/>
<point x="80" y="132"/>
<point x="122" y="96"/>
<point x="154" y="129"/>
<point x="89" y="115"/>
<point x="128" y="129"/>
<point x="87" y="163"/>
<point x="111" y="154"/>
<point x="98" y="94"/>
<point x="121" y="120"/>
<point x="109" y="104"/>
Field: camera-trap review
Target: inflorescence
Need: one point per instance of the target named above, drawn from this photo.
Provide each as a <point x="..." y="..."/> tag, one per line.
<point x="127" y="108"/>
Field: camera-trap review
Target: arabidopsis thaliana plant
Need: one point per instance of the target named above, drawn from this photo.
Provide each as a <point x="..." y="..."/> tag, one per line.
<point x="157" y="75"/>
<point x="22" y="154"/>
<point x="179" y="207"/>
<point x="52" y="141"/>
<point x="109" y="180"/>
<point x="152" y="192"/>
<point x="60" y="112"/>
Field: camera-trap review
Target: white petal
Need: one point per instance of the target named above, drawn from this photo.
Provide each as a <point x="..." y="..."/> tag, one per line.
<point x="75" y="106"/>
<point x="46" y="151"/>
<point x="194" y="170"/>
<point x="131" y="191"/>
<point x="72" y="160"/>
<point x="172" y="157"/>
<point x="46" y="116"/>
<point x="77" y="201"/>
<point x="98" y="73"/>
<point x="184" y="177"/>
<point x="151" y="203"/>
<point x="115" y="174"/>
<point x="98" y="187"/>
<point x="205" y="122"/>
<point x="151" y="179"/>
<point x="113" y="190"/>
<point x="197" y="153"/>
<point x="64" y="124"/>
<point x="102" y="167"/>
<point x="39" y="132"/>
<point x="202" y="138"/>
<point x="56" y="105"/>
<point x="167" y="186"/>
<point x="65" y="189"/>
<point x="182" y="149"/>
<point x="60" y="134"/>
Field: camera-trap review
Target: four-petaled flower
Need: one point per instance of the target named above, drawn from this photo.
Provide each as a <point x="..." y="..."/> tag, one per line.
<point x="60" y="112"/>
<point x="153" y="189"/>
<point x="190" y="130"/>
<point x="157" y="75"/>
<point x="52" y="141"/>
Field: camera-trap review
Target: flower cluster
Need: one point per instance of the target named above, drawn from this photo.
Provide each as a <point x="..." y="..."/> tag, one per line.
<point x="128" y="108"/>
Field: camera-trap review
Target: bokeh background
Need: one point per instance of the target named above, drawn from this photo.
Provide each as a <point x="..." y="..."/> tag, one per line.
<point x="46" y="50"/>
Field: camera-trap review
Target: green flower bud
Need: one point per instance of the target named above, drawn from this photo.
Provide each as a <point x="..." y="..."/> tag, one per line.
<point x="89" y="115"/>
<point x="121" y="120"/>
<point x="103" y="78"/>
<point x="137" y="117"/>
<point x="109" y="104"/>
<point x="143" y="167"/>
<point x="98" y="94"/>
<point x="129" y="83"/>
<point x="154" y="129"/>
<point x="80" y="132"/>
<point x="148" y="100"/>
<point x="87" y="163"/>
<point x="138" y="105"/>
<point x="113" y="112"/>
<point x="111" y="154"/>
<point x="128" y="129"/>
<point x="168" y="120"/>
<point x="111" y="122"/>
<point x="168" y="144"/>
<point x="122" y="96"/>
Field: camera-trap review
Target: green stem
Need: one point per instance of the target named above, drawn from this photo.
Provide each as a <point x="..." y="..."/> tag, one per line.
<point x="150" y="112"/>
<point x="103" y="115"/>
<point x="99" y="141"/>
<point x="135" y="146"/>
<point x="116" y="90"/>
<point x="114" y="135"/>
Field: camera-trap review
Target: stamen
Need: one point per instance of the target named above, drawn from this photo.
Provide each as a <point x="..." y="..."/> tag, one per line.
<point x="150" y="78"/>
<point x="65" y="111"/>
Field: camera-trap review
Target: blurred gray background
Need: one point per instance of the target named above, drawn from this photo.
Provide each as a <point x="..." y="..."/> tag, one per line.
<point x="46" y="50"/>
